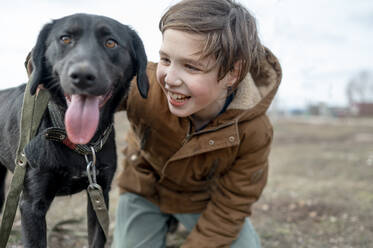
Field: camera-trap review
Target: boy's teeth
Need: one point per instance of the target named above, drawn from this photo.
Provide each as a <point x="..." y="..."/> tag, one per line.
<point x="177" y="96"/>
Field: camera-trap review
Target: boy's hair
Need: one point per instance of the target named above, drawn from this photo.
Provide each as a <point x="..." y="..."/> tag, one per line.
<point x="230" y="30"/>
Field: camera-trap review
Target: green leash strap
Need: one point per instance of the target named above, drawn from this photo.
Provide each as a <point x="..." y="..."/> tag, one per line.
<point x="96" y="196"/>
<point x="98" y="204"/>
<point x="33" y="108"/>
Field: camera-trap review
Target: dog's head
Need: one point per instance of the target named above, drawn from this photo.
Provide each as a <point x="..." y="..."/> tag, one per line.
<point x="88" y="60"/>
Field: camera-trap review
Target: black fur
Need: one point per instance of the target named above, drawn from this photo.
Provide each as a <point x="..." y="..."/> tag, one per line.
<point x="53" y="165"/>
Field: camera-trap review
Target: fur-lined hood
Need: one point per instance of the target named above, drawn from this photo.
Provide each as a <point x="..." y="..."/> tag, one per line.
<point x="256" y="92"/>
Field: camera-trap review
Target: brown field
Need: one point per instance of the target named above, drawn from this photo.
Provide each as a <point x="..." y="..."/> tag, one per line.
<point x="319" y="194"/>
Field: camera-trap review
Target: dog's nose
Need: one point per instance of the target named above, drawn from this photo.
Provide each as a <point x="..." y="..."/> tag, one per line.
<point x="82" y="76"/>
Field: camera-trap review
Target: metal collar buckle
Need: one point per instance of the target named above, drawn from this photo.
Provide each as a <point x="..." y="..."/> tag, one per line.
<point x="91" y="168"/>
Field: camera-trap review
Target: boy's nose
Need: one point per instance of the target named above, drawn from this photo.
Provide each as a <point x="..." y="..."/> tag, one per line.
<point x="172" y="78"/>
<point x="173" y="84"/>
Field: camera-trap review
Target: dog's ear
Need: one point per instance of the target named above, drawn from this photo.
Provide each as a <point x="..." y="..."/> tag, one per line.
<point x="37" y="58"/>
<point x="141" y="62"/>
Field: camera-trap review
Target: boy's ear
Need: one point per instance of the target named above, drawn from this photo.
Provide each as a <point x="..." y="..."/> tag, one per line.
<point x="233" y="75"/>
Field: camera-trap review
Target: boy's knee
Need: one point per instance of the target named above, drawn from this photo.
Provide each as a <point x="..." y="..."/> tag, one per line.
<point x="248" y="237"/>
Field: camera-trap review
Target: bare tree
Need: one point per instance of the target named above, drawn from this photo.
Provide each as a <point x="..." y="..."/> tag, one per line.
<point x="360" y="88"/>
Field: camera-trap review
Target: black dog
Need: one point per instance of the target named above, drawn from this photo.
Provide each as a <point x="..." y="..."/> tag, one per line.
<point x="86" y="62"/>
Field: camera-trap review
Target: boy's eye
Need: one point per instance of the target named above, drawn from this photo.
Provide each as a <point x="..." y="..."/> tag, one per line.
<point x="192" y="68"/>
<point x="164" y="60"/>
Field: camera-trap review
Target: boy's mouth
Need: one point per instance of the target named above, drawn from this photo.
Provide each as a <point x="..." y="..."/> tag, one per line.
<point x="177" y="99"/>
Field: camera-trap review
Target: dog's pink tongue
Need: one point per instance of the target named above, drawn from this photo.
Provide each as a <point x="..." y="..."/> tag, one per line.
<point x="81" y="118"/>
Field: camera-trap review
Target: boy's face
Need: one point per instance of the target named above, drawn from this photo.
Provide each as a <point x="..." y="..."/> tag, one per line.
<point x="190" y="83"/>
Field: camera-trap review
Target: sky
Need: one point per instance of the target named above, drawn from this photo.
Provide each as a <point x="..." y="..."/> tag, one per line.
<point x="321" y="44"/>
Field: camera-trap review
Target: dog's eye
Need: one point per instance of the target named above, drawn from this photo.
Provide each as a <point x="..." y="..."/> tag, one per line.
<point x="66" y="39"/>
<point x="110" y="43"/>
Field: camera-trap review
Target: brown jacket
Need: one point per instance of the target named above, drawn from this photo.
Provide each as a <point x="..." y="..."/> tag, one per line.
<point x="219" y="171"/>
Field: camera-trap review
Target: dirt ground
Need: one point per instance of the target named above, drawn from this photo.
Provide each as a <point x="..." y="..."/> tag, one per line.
<point x="319" y="194"/>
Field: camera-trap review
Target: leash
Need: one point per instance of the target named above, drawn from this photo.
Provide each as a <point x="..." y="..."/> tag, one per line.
<point x="58" y="133"/>
<point x="33" y="108"/>
<point x="96" y="196"/>
<point x="94" y="190"/>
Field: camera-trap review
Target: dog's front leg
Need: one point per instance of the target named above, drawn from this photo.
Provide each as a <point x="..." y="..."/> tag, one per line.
<point x="37" y="196"/>
<point x="96" y="236"/>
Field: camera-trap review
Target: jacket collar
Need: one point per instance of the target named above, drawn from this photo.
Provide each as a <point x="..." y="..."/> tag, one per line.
<point x="247" y="95"/>
<point x="255" y="93"/>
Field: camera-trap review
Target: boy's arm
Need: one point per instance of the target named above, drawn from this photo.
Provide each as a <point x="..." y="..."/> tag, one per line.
<point x="235" y="192"/>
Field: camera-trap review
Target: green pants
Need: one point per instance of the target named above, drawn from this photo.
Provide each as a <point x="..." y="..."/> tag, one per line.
<point x="141" y="224"/>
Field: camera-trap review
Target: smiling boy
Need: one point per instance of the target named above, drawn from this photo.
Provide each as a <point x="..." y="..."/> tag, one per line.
<point x="198" y="147"/>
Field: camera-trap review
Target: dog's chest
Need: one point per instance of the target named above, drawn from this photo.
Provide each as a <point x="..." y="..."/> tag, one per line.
<point x="77" y="180"/>
<point x="65" y="167"/>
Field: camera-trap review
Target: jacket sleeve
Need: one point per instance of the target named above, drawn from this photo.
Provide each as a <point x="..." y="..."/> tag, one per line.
<point x="234" y="193"/>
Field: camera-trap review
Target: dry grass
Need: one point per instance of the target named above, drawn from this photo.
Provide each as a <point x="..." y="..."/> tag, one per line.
<point x="320" y="190"/>
<point x="319" y="193"/>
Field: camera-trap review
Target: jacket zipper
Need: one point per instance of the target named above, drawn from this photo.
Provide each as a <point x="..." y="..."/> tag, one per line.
<point x="186" y="139"/>
<point x="189" y="134"/>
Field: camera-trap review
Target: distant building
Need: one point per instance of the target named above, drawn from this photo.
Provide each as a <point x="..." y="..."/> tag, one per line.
<point x="323" y="109"/>
<point x="362" y="109"/>
<point x="340" y="111"/>
<point x="318" y="109"/>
